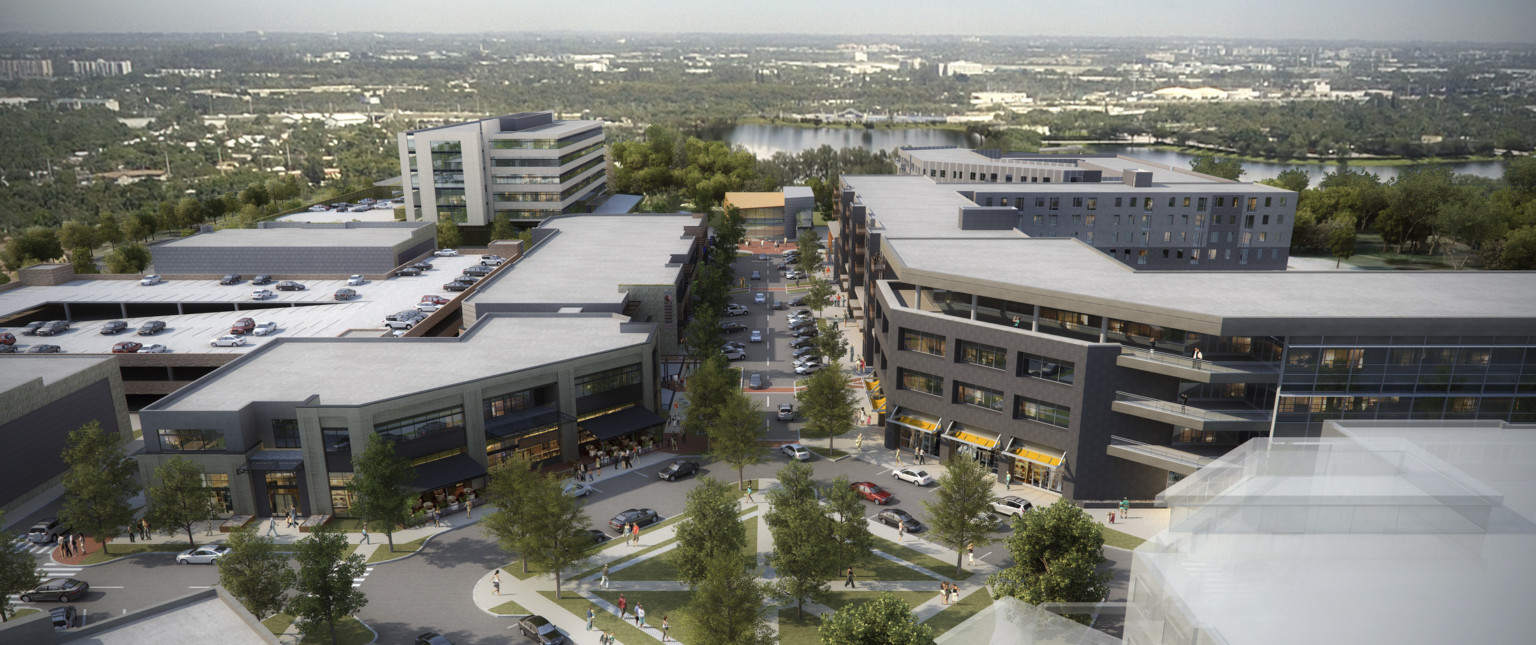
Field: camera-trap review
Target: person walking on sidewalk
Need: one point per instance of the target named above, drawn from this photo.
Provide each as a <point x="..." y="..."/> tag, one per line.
<point x="365" y="539"/>
<point x="496" y="583"/>
<point x="664" y="627"/>
<point x="271" y="527"/>
<point x="469" y="508"/>
<point x="849" y="583"/>
<point x="637" y="534"/>
<point x="970" y="550"/>
<point x="639" y="615"/>
<point x="603" y="582"/>
<point x="591" y="616"/>
<point x="64" y="544"/>
<point x="622" y="605"/>
<point x="749" y="495"/>
<point x="1008" y="481"/>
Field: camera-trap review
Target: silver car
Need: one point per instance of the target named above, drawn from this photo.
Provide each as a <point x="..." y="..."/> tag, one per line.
<point x="206" y="554"/>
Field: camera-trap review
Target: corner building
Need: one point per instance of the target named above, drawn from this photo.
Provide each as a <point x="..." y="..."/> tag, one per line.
<point x="1073" y="371"/>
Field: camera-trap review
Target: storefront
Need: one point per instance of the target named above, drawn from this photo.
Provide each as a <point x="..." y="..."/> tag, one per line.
<point x="278" y="482"/>
<point x="916" y="431"/>
<point x="1036" y="465"/>
<point x="974" y="443"/>
<point x="443" y="479"/>
<point x="603" y="435"/>
<point x="525" y="434"/>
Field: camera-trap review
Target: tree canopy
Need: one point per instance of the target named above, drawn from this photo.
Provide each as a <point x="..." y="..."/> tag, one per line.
<point x="98" y="483"/>
<point x="1057" y="552"/>
<point x="885" y="620"/>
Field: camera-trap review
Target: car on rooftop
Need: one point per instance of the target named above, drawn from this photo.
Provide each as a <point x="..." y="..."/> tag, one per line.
<point x="242" y="326"/>
<point x="113" y="326"/>
<point x="52" y="327"/>
<point x="155" y="349"/>
<point x="289" y="285"/>
<point x="232" y="278"/>
<point x="262" y="294"/>
<point x="345" y="294"/>
<point x="152" y="327"/>
<point x="127" y="347"/>
<point x="150" y="279"/>
<point x="44" y="349"/>
<point x="264" y="329"/>
<point x="261" y="279"/>
<point x="7" y="338"/>
<point x="230" y="340"/>
<point x="31" y="328"/>
<point x="355" y="280"/>
<point x="446" y="253"/>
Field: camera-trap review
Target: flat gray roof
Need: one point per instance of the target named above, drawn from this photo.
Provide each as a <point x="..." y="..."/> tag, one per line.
<point x="1111" y="165"/>
<point x="556" y="129"/>
<point x="286" y="237"/>
<point x="16" y="369"/>
<point x="912" y="206"/>
<point x="1191" y="188"/>
<point x="354" y="371"/>
<point x="591" y="258"/>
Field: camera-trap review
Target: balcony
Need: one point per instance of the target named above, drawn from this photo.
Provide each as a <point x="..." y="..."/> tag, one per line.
<point x="1190" y="416"/>
<point x="1179" y="461"/>
<point x="1201" y="371"/>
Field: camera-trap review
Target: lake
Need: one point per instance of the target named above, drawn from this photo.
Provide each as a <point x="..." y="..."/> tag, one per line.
<point x="764" y="140"/>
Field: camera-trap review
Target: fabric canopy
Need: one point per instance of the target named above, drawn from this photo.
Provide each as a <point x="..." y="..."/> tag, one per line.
<point x="1038" y="454"/>
<point x="979" y="438"/>
<point x="623" y="422"/>
<point x="914" y="420"/>
<point x="450" y="470"/>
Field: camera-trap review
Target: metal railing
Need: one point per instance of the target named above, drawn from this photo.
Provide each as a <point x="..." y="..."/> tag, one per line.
<point x="1192" y="411"/>
<point x="1203" y="365"/>
<point x="1162" y="452"/>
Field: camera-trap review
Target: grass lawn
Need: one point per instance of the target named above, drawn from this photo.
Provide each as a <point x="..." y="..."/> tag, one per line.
<point x="24" y="612"/>
<point x="874" y="567"/>
<point x="119" y="550"/>
<point x="350" y="524"/>
<point x="1122" y="540"/>
<point x="625" y="631"/>
<point x="798" y="631"/>
<point x="509" y="608"/>
<point x="955" y="614"/>
<point x="348" y="632"/>
<point x="401" y="548"/>
<point x="656" y="603"/>
<point x="829" y="453"/>
<point x="946" y="569"/>
<point x="278" y="623"/>
<point x="662" y="568"/>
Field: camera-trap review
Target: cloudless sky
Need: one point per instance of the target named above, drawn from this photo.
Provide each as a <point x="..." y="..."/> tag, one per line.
<point x="1380" y="20"/>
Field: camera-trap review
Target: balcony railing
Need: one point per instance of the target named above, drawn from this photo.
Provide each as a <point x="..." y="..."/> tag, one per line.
<point x="1226" y="368"/>
<point x="1189" y="459"/>
<point x="1191" y="411"/>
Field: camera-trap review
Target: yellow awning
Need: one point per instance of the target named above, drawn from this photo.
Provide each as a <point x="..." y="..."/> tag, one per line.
<point x="914" y="420"/>
<point x="1038" y="454"/>
<point x="979" y="438"/>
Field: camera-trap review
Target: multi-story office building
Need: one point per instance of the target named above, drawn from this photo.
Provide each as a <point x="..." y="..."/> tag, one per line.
<point x="1142" y="213"/>
<point x="526" y="166"/>
<point x="101" y="67"/>
<point x="42" y="400"/>
<point x="1077" y="373"/>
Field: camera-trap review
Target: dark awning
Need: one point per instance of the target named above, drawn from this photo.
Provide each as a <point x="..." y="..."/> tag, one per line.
<point x="524" y="421"/>
<point x="274" y="461"/>
<point x="622" y="422"/>
<point x="442" y="472"/>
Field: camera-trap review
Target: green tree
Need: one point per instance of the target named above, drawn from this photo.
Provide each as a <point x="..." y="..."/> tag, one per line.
<point x="1472" y="222"/>
<point x="190" y="212"/>
<point x="730" y="228"/>
<point x="77" y="235"/>
<point x="810" y="258"/>
<point x="802" y="563"/>
<point x="960" y="513"/>
<point x="737" y="434"/>
<point x="18" y="572"/>
<point x="98" y="483"/>
<point x="132" y="257"/>
<point x="133" y="229"/>
<point x="850" y="529"/>
<point x="1519" y="252"/>
<point x="1292" y="179"/>
<point x="1224" y="167"/>
<point x="82" y="260"/>
<point x="829" y="340"/>
<point x="255" y="573"/>
<point x="36" y="244"/>
<point x="1341" y="241"/>
<point x="709" y="388"/>
<point x="826" y="403"/>
<point x="729" y="607"/>
<point x="148" y="224"/>
<point x="703" y="332"/>
<point x="1414" y="198"/>
<point x="323" y="588"/>
<point x="448" y="236"/>
<point x="886" y="620"/>
<point x="511" y="491"/>
<point x="711" y="532"/>
<point x="109" y="230"/>
<point x="502" y="229"/>
<point x="256" y="195"/>
<point x="1520" y="174"/>
<point x="1057" y="551"/>
<point x="178" y="499"/>
<point x="381" y="486"/>
<point x="554" y="536"/>
<point x="820" y="294"/>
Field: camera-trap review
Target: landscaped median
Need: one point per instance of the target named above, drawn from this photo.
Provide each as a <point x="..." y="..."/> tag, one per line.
<point x="802" y="630"/>
<point x="402" y="549"/>
<point x="349" y="631"/>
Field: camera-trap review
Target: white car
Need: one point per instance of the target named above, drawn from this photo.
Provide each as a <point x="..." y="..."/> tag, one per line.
<point x="150" y="279"/>
<point x="446" y="253"/>
<point x="733" y="354"/>
<point x="809" y="367"/>
<point x="794" y="319"/>
<point x="734" y="309"/>
<point x="206" y="554"/>
<point x="261" y="294"/>
<point x="913" y="476"/>
<point x="757" y="336"/>
<point x="1012" y="506"/>
<point x="576" y="489"/>
<point x="230" y="340"/>
<point x="428" y="307"/>
<point x="760" y="297"/>
<point x="264" y="329"/>
<point x="809" y="357"/>
<point x="355" y="280"/>
<point x="154" y="349"/>
<point x="796" y="452"/>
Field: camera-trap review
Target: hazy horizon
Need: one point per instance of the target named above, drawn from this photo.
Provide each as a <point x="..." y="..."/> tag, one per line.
<point x="1480" y="21"/>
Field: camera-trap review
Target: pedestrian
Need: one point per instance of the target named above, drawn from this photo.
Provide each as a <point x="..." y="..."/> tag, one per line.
<point x="64" y="543"/>
<point x="80" y="543"/>
<point x="144" y="529"/>
<point x="898" y="458"/>
<point x="604" y="581"/>
<point x="591" y="616"/>
<point x="970" y="550"/>
<point x="1183" y="401"/>
<point x="622" y="606"/>
<point x="469" y="509"/>
<point x="849" y="583"/>
<point x="1008" y="481"/>
<point x="607" y="639"/>
<point x="639" y="615"/>
<point x="664" y="627"/>
<point x="437" y="517"/>
<point x="901" y="529"/>
<point x="922" y="457"/>
<point x="1111" y="517"/>
<point x="599" y="469"/>
<point x="943" y="593"/>
<point x="1198" y="357"/>
<point x="637" y="534"/>
<point x="290" y="517"/>
<point x="496" y="583"/>
<point x="1153" y="346"/>
<point x="749" y="495"/>
<point x="1125" y="507"/>
<point x="131" y="535"/>
<point x="365" y="539"/>
<point x="1016" y="321"/>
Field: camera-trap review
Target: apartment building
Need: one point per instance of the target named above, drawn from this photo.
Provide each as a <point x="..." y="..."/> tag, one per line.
<point x="1078" y="373"/>
<point x="1142" y="213"/>
<point x="101" y="67"/>
<point x="527" y="166"/>
<point x="11" y="68"/>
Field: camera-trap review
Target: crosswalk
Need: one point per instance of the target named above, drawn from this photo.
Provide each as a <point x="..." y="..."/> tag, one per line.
<point x="23" y="544"/>
<point x="48" y="570"/>
<point x="358" y="581"/>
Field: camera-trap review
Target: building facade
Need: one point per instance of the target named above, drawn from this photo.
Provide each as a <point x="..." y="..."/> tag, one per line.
<point x="298" y="248"/>
<point x="26" y="68"/>
<point x="42" y="400"/>
<point x="525" y="166"/>
<point x="101" y="67"/>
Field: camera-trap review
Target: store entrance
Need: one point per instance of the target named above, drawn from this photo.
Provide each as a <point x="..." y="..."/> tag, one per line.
<point x="986" y="458"/>
<point x="283" y="494"/>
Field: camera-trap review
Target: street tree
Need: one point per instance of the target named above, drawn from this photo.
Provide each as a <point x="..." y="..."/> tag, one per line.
<point x="255" y="573"/>
<point x="323" y="588"/>
<point x="849" y="526"/>
<point x="132" y="257"/>
<point x="730" y="229"/>
<point x="819" y="296"/>
<point x="502" y="229"/>
<point x="826" y="403"/>
<point x="829" y="340"/>
<point x="809" y="245"/>
<point x="802" y="563"/>
<point x="558" y="539"/>
<point x="510" y="490"/>
<point x="1057" y="551"/>
<point x="256" y="195"/>
<point x="77" y="235"/>
<point x="709" y="387"/>
<point x="381" y="487"/>
<point x="703" y="332"/>
<point x="960" y="513"/>
<point x="448" y="236"/>
<point x="737" y="434"/>
<point x="886" y="620"/>
<point x="729" y="607"/>
<point x="179" y="500"/>
<point x="18" y="572"/>
<point x="133" y="229"/>
<point x="711" y="532"/>
<point x="98" y="483"/>
<point x="1341" y="241"/>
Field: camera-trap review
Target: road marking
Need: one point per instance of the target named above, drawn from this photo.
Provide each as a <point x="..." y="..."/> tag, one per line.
<point x="101" y="587"/>
<point x="198" y="587"/>
<point x="643" y="475"/>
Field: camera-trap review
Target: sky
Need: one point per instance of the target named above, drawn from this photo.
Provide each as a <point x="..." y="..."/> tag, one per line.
<point x="1376" y="20"/>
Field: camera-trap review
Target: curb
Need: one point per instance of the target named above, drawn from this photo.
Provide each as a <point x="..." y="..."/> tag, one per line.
<point x="424" y="542"/>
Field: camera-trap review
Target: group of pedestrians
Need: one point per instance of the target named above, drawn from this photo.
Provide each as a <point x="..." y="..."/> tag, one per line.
<point x="949" y="593"/>
<point x="139" y="530"/>
<point x="633" y="532"/>
<point x="72" y="544"/>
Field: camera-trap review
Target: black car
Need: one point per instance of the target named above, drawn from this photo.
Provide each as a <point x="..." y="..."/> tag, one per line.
<point x="423" y="265"/>
<point x="679" y="469"/>
<point x="478" y="270"/>
<point x="345" y="294"/>
<point x="803" y="342"/>
<point x="598" y="537"/>
<point x="289" y="285"/>
<point x="732" y="327"/>
<point x="457" y="286"/>
<point x="261" y="280"/>
<point x="797" y="302"/>
<point x="52" y="327"/>
<point x="32" y="327"/>
<point x="807" y="332"/>
<point x="804" y="352"/>
<point x="60" y="589"/>
<point x="151" y="328"/>
<point x="641" y="516"/>
<point x="43" y="349"/>
<point x="409" y="271"/>
<point x="539" y="630"/>
<point x="8" y="349"/>
<point x="230" y="279"/>
<point x="113" y="327"/>
<point x="63" y="617"/>
<point x="894" y="516"/>
<point x="802" y="325"/>
<point x="433" y="638"/>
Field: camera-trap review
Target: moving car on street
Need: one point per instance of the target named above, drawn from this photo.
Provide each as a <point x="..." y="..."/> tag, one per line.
<point x="206" y="554"/>
<point x="679" y="469"/>
<point x="539" y="630"/>
<point x="60" y="589"/>
<point x="786" y="412"/>
<point x="1012" y="506"/>
<point x="796" y="452"/>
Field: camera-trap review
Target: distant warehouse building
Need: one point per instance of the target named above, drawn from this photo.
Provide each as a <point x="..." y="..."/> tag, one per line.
<point x="42" y="400"/>
<point x="298" y="248"/>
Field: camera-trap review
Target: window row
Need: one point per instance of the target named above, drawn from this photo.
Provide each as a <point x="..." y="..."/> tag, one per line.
<point x="184" y="440"/>
<point x="423" y="424"/>
<point x="986" y="398"/>
<point x="544" y="144"/>
<point x="997" y="357"/>
<point x="606" y="380"/>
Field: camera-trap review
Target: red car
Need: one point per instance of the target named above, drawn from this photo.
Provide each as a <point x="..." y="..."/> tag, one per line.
<point x="436" y="300"/>
<point x="6" y="338"/>
<point x="242" y="326"/>
<point x="127" y="347"/>
<point x="871" y="492"/>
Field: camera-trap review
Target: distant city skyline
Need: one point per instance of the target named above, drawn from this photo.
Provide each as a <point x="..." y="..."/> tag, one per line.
<point x="1489" y="21"/>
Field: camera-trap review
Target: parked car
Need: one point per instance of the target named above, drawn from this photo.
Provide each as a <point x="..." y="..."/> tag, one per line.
<point x="759" y="298"/>
<point x="345" y="294"/>
<point x="757" y="275"/>
<point x="893" y="517"/>
<point x="446" y="253"/>
<point x="428" y="307"/>
<point x="127" y="347"/>
<point x="262" y="294"/>
<point x="46" y="531"/>
<point x="113" y="326"/>
<point x="423" y="265"/>
<point x="32" y="327"/>
<point x="756" y="382"/>
<point x="242" y="326"/>
<point x="641" y="516"/>
<point x="355" y="279"/>
<point x="576" y="489"/>
<point x="796" y="452"/>
<point x="152" y="327"/>
<point x="7" y="338"/>
<point x="150" y="279"/>
<point x="734" y="309"/>
<point x="794" y="274"/>
<point x="289" y="285"/>
<point x="205" y="554"/>
<point x="679" y="469"/>
<point x="457" y="286"/>
<point x="60" y="589"/>
<point x="318" y="208"/>
<point x="155" y="349"/>
<point x="478" y="270"/>
<point x="757" y="336"/>
<point x="492" y="261"/>
<point x="733" y="354"/>
<point x="801" y="312"/>
<point x="732" y="327"/>
<point x="913" y="476"/>
<point x="63" y="617"/>
<point x="229" y="340"/>
<point x="802" y="342"/>
<point x="44" y="349"/>
<point x="539" y="630"/>
<point x="366" y="200"/>
<point x="8" y="349"/>
<point x="786" y="412"/>
<point x="778" y="304"/>
<point x="261" y="279"/>
<point x="52" y="328"/>
<point x="1012" y="506"/>
<point x="598" y="537"/>
<point x="807" y="332"/>
<point x="264" y="329"/>
<point x="804" y="352"/>
<point x="810" y="357"/>
<point x="432" y="638"/>
<point x="489" y="257"/>
<point x="734" y="344"/>
<point x="408" y="271"/>
<point x="797" y="302"/>
<point x="871" y="492"/>
<point x="809" y="367"/>
<point x="230" y="279"/>
<point x="360" y="208"/>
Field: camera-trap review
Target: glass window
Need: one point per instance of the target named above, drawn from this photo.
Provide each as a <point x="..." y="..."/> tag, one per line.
<point x="421" y="425"/>
<point x="1050" y="369"/>
<point x="182" y="440"/>
<point x="917" y="341"/>
<point x="341" y="498"/>
<point x="1055" y="203"/>
<point x="1253" y="203"/>
<point x="1037" y="410"/>
<point x="337" y="440"/>
<point x="920" y="382"/>
<point x="1200" y="204"/>
<point x="285" y="433"/>
<point x="978" y="396"/>
<point x="1093" y="203"/>
<point x="983" y="355"/>
<point x="608" y="380"/>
